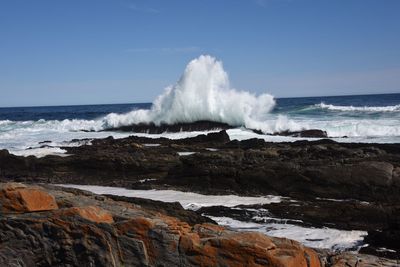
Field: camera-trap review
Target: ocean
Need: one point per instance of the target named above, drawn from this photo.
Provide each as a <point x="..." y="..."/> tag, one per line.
<point x="358" y="118"/>
<point x="203" y="92"/>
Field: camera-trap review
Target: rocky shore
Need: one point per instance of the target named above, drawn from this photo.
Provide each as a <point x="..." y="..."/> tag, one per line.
<point x="51" y="226"/>
<point x="345" y="186"/>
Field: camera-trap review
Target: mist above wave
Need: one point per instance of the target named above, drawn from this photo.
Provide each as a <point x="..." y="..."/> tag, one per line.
<point x="203" y="93"/>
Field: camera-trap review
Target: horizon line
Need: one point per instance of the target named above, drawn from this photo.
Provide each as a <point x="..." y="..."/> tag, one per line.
<point x="145" y="103"/>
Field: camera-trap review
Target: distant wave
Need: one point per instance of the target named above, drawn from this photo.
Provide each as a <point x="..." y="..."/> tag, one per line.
<point x="359" y="128"/>
<point x="395" y="108"/>
<point x="66" y="125"/>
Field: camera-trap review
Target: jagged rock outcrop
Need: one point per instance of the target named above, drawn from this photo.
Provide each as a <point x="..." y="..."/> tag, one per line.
<point x="322" y="168"/>
<point x="89" y="230"/>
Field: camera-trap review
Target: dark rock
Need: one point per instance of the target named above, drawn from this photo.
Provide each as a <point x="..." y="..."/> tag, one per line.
<point x="312" y="133"/>
<point x="45" y="142"/>
<point x="171" y="209"/>
<point x="388" y="238"/>
<point x="304" y="169"/>
<point x="210" y="139"/>
<point x="344" y="214"/>
<point x="151" y="128"/>
<point x="251" y="143"/>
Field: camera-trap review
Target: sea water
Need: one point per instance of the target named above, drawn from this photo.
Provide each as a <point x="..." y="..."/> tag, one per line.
<point x="361" y="118"/>
<point x="204" y="93"/>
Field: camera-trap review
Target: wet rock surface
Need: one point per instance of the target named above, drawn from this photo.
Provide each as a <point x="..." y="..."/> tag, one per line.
<point x="363" y="179"/>
<point x="312" y="133"/>
<point x="151" y="128"/>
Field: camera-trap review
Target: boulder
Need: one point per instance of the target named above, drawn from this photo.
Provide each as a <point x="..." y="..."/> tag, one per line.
<point x="15" y="197"/>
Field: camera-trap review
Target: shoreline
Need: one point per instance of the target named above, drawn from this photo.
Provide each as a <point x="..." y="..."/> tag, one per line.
<point x="364" y="177"/>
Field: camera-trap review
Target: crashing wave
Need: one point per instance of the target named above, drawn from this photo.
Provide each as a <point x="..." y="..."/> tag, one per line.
<point x="395" y="108"/>
<point x="203" y="93"/>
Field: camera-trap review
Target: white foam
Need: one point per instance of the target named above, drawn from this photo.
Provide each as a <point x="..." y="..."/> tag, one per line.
<point x="188" y="200"/>
<point x="146" y="180"/>
<point x="185" y="153"/>
<point x="359" y="128"/>
<point x="382" y="249"/>
<point x="365" y="128"/>
<point x="327" y="238"/>
<point x="244" y="134"/>
<point x="40" y="152"/>
<point x="17" y="137"/>
<point x="395" y="108"/>
<point x="151" y="145"/>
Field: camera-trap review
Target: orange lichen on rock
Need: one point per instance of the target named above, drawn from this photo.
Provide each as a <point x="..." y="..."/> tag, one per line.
<point x="91" y="213"/>
<point x="246" y="249"/>
<point x="312" y="257"/>
<point x="15" y="197"/>
<point x="139" y="237"/>
<point x="212" y="245"/>
<point x="139" y="228"/>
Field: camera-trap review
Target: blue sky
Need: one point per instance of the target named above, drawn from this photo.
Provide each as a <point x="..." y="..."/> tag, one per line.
<point x="123" y="51"/>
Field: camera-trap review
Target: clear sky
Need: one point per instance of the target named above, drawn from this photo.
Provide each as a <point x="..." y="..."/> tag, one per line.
<point x="55" y="52"/>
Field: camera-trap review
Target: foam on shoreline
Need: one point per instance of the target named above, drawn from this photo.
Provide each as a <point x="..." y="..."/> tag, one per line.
<point x="188" y="200"/>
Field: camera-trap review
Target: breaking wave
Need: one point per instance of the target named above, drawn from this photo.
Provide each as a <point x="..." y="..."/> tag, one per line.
<point x="395" y="108"/>
<point x="203" y="93"/>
